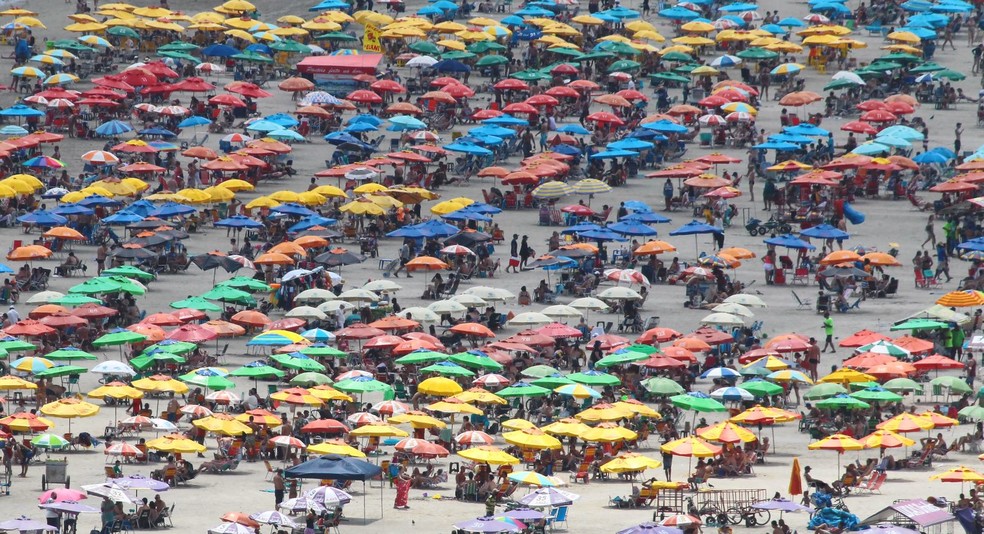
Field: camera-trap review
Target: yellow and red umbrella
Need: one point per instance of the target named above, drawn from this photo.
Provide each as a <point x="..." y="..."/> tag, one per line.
<point x="905" y="423"/>
<point x="886" y="439"/>
<point x="839" y="443"/>
<point x="726" y="432"/>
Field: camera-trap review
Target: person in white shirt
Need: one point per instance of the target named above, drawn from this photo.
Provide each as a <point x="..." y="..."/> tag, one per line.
<point x="13" y="315"/>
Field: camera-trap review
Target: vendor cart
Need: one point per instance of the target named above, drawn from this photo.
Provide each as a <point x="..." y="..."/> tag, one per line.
<point x="55" y="472"/>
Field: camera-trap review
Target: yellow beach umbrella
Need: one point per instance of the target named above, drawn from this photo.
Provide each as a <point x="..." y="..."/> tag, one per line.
<point x="224" y="424"/>
<point x="328" y="393"/>
<point x="846" y="376"/>
<point x="262" y="202"/>
<point x="329" y="191"/>
<point x="116" y="390"/>
<point x="886" y="439"/>
<point x="532" y="438"/>
<point x="336" y="447"/>
<point x="691" y="446"/>
<point x="608" y="433"/>
<point x="480" y="396"/>
<point x="630" y="462"/>
<point x="452" y="405"/>
<point x="379" y="430"/>
<point x="161" y="384"/>
<point x="958" y="474"/>
<point x="517" y="424"/>
<point x="439" y="386"/>
<point x="69" y="408"/>
<point x="236" y="185"/>
<point x="603" y="413"/>
<point x="11" y="383"/>
<point x="175" y="445"/>
<point x="488" y="454"/>
<point x="569" y="427"/>
<point x="418" y="419"/>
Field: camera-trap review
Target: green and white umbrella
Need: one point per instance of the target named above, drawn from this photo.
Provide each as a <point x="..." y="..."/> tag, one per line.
<point x="447" y="368"/>
<point x="663" y="387"/>
<point x="523" y="389"/>
<point x="884" y="347"/>
<point x="49" y="441"/>
<point x="69" y="354"/>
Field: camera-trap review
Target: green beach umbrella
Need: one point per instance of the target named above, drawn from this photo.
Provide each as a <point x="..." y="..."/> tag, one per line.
<point x="118" y="336"/>
<point x="539" y="371"/>
<point x="171" y="346"/>
<point x="564" y="51"/>
<point x="858" y="386"/>
<point x="130" y="271"/>
<point x="662" y="386"/>
<point x="447" y="368"/>
<point x="552" y="382"/>
<point x="362" y="384"/>
<point x="951" y="75"/>
<point x="523" y="389"/>
<point x="127" y="285"/>
<point x="291" y="47"/>
<point x="69" y="354"/>
<point x="596" y="55"/>
<point x="761" y="388"/>
<point x="75" y="300"/>
<point x="530" y="75"/>
<point x="928" y="67"/>
<point x="919" y="324"/>
<point x="672" y="56"/>
<point x="842" y="401"/>
<point x="956" y="385"/>
<point x="482" y="47"/>
<point x="698" y="402"/>
<point x="756" y="54"/>
<point x="754" y="370"/>
<point x="425" y="47"/>
<point x="72" y="45"/>
<point x="244" y="283"/>
<point x="882" y="66"/>
<point x="670" y="77"/>
<point x="179" y="46"/>
<point x="252" y="56"/>
<point x="824" y="391"/>
<point x="648" y="350"/>
<point x="618" y="47"/>
<point x="49" y="441"/>
<point x="320" y="349"/>
<point x="296" y="360"/>
<point x="61" y="370"/>
<point x="595" y="378"/>
<point x="972" y="413"/>
<point x="903" y="385"/>
<point x="196" y="303"/>
<point x="96" y="286"/>
<point x="335" y="36"/>
<point x="621" y="358"/>
<point x="623" y="65"/>
<point x="475" y="360"/>
<point x="839" y="84"/>
<point x="884" y="347"/>
<point x="230" y="295"/>
<point x="421" y="356"/>
<point x="490" y="60"/>
<point x="123" y="31"/>
<point x="258" y="369"/>
<point x="207" y="379"/>
<point x="457" y="54"/>
<point x="898" y="56"/>
<point x="13" y="344"/>
<point x="311" y="379"/>
<point x="156" y="357"/>
<point x="877" y="394"/>
<point x="179" y="55"/>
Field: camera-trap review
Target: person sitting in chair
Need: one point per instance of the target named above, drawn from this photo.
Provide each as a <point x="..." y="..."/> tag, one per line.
<point x="71" y="262"/>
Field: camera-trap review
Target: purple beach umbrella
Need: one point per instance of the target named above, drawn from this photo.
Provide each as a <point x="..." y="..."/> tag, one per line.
<point x="26" y="524"/>
<point x="70" y="507"/>
<point x="525" y="514"/>
<point x="782" y="505"/>
<point x="486" y="525"/>
<point x="137" y="482"/>
<point x="650" y="528"/>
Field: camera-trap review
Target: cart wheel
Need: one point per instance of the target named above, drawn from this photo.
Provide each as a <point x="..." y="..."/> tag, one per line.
<point x="44" y="483"/>
<point x="735" y="515"/>
<point x="68" y="482"/>
<point x="785" y="228"/>
<point x="753" y="231"/>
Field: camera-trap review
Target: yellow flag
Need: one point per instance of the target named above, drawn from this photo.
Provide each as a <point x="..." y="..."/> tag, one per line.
<point x="370" y="42"/>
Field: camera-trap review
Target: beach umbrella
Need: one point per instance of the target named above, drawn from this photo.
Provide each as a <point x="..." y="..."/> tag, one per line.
<point x="839" y="443"/>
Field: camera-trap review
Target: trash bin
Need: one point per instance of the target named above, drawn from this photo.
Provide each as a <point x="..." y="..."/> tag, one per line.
<point x="705" y="138"/>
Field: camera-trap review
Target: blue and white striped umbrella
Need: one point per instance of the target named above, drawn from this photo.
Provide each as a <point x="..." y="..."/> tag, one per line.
<point x="726" y="61"/>
<point x="733" y="394"/>
<point x="721" y="372"/>
<point x="318" y="335"/>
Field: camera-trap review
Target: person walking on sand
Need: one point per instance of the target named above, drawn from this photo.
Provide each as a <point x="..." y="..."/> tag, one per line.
<point x="930" y="232"/>
<point x="402" y="483"/>
<point x="513" y="254"/>
<point x="828" y="330"/>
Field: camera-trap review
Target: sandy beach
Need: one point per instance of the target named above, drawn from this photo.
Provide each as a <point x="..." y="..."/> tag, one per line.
<point x="200" y="503"/>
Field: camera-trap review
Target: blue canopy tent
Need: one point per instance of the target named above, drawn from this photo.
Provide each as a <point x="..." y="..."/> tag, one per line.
<point x="632" y="227"/>
<point x="42" y="218"/>
<point x="789" y="241"/>
<point x="335" y="467"/>
<point x="825" y="231"/>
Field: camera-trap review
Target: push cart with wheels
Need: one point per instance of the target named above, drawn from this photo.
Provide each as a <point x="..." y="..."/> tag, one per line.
<point x="55" y="472"/>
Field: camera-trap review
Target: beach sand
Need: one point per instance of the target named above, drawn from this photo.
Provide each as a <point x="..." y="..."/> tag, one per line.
<point x="199" y="504"/>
